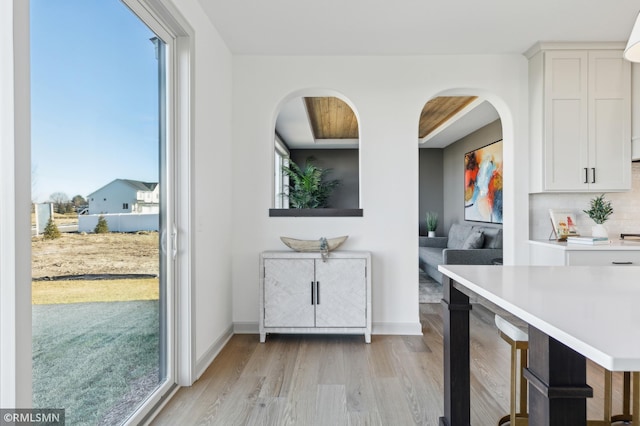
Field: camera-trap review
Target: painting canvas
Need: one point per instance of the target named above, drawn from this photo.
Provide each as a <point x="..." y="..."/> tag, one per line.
<point x="483" y="184"/>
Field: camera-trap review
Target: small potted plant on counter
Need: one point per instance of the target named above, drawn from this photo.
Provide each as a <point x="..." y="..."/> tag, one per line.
<point x="599" y="212"/>
<point x="432" y="223"/>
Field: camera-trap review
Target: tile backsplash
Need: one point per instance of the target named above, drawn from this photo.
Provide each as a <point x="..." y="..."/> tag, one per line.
<point x="625" y="218"/>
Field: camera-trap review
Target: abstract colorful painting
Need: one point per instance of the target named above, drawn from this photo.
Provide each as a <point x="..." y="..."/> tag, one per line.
<point x="483" y="184"/>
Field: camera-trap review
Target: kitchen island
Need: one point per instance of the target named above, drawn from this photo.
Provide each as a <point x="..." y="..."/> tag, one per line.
<point x="573" y="312"/>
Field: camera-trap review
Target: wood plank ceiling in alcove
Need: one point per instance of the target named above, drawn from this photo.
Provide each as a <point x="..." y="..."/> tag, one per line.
<point x="332" y="118"/>
<point x="439" y="110"/>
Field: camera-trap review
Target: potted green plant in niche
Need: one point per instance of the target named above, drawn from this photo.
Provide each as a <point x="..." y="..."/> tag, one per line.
<point x="432" y="223"/>
<point x="599" y="211"/>
<point x="308" y="186"/>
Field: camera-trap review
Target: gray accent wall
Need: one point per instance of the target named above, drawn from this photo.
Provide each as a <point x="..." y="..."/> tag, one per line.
<point x="431" y="197"/>
<point x="345" y="167"/>
<point x="453" y="177"/>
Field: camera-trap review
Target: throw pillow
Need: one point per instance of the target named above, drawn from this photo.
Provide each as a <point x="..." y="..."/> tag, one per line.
<point x="474" y="240"/>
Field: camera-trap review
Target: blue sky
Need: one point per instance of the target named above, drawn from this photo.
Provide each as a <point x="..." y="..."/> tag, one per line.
<point x="93" y="97"/>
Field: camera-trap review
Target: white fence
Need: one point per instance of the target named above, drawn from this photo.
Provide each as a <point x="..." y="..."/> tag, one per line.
<point x="123" y="222"/>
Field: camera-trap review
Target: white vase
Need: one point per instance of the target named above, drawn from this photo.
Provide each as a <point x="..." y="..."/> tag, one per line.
<point x="431" y="234"/>
<point x="598" y="230"/>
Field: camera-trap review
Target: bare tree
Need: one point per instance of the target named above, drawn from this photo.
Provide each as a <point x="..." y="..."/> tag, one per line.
<point x="78" y="201"/>
<point x="60" y="201"/>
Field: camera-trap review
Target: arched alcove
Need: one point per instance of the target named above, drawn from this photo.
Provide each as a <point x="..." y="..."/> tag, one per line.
<point x="316" y="131"/>
<point x="458" y="130"/>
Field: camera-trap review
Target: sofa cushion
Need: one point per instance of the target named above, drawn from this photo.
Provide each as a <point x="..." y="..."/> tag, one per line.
<point x="492" y="237"/>
<point x="475" y="240"/>
<point x="458" y="234"/>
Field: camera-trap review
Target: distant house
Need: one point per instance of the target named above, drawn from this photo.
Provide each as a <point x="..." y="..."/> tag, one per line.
<point x="125" y="196"/>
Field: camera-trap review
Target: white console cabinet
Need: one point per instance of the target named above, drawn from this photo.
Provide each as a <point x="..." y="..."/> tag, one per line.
<point x="304" y="293"/>
<point x="580" y="117"/>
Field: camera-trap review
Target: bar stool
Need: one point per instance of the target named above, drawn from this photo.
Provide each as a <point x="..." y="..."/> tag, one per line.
<point x="627" y="417"/>
<point x="519" y="341"/>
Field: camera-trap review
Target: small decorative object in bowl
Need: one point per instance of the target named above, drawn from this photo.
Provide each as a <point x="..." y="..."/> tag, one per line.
<point x="323" y="245"/>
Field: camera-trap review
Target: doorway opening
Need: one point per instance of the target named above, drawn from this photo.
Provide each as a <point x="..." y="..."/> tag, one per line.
<point x="451" y="126"/>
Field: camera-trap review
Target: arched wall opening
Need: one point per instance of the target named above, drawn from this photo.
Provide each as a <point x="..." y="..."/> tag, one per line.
<point x="463" y="124"/>
<point x="316" y="128"/>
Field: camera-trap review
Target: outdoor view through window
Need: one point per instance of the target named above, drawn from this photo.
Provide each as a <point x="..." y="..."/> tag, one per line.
<point x="97" y="205"/>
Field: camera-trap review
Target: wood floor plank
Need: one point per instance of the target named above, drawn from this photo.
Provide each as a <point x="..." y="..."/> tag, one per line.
<point x="331" y="406"/>
<point x="319" y="380"/>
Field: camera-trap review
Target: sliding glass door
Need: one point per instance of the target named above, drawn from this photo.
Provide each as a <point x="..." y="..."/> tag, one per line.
<point x="104" y="243"/>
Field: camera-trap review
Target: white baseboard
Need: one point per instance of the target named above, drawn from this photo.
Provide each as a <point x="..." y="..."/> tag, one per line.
<point x="246" y="328"/>
<point x="407" y="328"/>
<point x="205" y="360"/>
<point x="397" y="328"/>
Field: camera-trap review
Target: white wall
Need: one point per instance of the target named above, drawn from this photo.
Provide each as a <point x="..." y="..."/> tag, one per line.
<point x="211" y="177"/>
<point x="387" y="94"/>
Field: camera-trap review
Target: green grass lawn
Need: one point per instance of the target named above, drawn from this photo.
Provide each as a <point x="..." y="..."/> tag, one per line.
<point x="82" y="291"/>
<point x="96" y="360"/>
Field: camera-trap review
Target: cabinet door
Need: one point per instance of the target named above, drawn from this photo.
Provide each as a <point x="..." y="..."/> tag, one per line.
<point x="565" y="117"/>
<point x="287" y="293"/>
<point x="342" y="293"/>
<point x="609" y="121"/>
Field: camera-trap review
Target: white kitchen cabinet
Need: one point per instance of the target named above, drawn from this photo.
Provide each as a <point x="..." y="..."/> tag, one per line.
<point x="580" y="118"/>
<point x="303" y="293"/>
<point x="557" y="253"/>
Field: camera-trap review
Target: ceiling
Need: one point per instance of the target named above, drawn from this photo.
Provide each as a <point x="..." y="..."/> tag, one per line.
<point x="329" y="123"/>
<point x="410" y="27"/>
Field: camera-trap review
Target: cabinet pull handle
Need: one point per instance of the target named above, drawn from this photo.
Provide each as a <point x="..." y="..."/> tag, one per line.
<point x="317" y="292"/>
<point x="593" y="175"/>
<point x="622" y="263"/>
<point x="586" y="175"/>
<point x="312" y="294"/>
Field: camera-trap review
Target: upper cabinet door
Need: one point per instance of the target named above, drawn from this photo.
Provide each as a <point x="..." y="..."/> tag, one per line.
<point x="565" y="117"/>
<point x="580" y="119"/>
<point x="609" y="121"/>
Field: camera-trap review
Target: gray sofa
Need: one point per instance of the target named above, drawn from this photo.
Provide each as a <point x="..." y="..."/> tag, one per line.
<point x="465" y="245"/>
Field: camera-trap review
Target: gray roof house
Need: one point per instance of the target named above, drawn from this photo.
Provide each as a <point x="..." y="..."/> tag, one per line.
<point x="125" y="196"/>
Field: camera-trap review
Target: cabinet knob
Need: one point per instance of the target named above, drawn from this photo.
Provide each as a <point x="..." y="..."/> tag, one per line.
<point x="593" y="175"/>
<point x="622" y="263"/>
<point x="586" y="175"/>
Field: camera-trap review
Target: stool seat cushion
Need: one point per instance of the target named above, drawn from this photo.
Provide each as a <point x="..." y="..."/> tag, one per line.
<point x="513" y="332"/>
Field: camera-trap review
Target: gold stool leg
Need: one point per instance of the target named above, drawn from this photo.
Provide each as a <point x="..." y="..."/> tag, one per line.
<point x="517" y="416"/>
<point x="524" y="350"/>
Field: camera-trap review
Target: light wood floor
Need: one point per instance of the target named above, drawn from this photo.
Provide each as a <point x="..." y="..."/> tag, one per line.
<point x="340" y="380"/>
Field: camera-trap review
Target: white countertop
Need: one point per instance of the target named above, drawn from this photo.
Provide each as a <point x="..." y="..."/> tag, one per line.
<point x="593" y="310"/>
<point x="613" y="245"/>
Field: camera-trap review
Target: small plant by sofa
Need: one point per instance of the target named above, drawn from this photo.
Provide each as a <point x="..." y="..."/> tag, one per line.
<point x="432" y="223"/>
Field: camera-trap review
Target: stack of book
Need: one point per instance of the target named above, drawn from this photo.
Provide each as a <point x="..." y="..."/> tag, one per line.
<point x="587" y="240"/>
